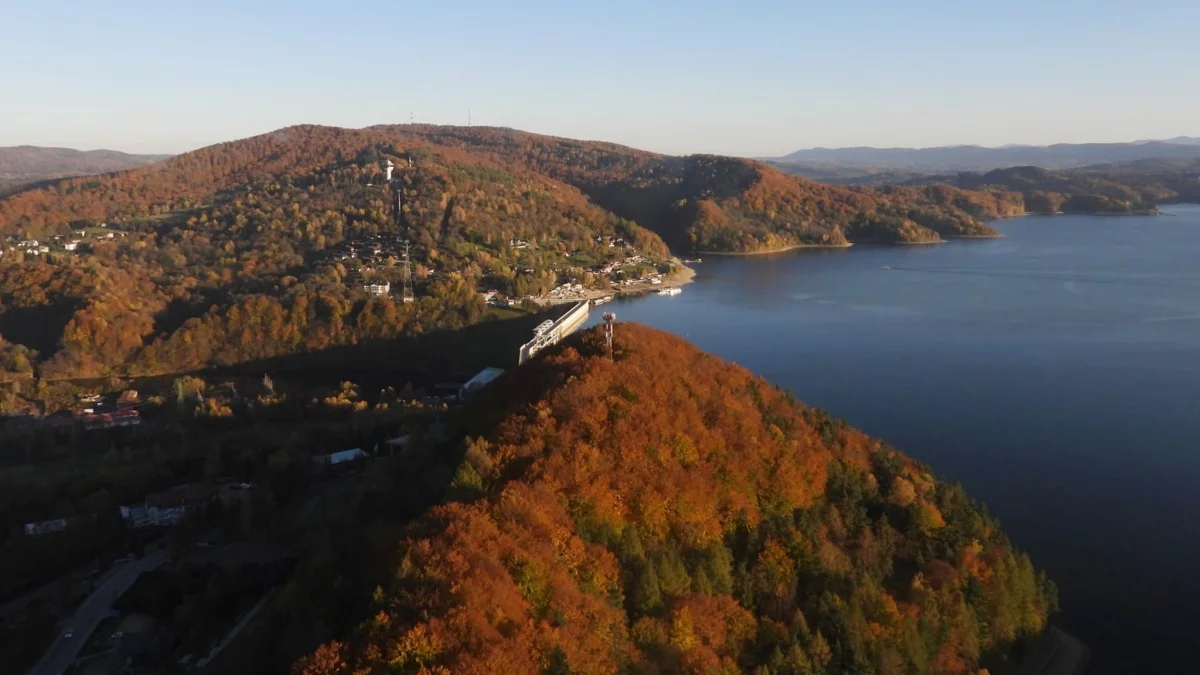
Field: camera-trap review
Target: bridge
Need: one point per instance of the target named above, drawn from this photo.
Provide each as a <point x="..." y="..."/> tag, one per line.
<point x="550" y="332"/>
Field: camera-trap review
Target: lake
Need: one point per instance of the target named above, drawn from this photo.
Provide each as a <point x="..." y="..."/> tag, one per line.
<point x="1054" y="372"/>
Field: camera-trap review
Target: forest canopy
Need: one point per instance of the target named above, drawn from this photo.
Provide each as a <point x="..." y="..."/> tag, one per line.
<point x="670" y="512"/>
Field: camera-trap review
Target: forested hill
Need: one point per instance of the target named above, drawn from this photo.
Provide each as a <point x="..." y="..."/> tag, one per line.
<point x="24" y="164"/>
<point x="699" y="202"/>
<point x="262" y="247"/>
<point x="712" y="203"/>
<point x="670" y="512"/>
<point x="1069" y="191"/>
<point x="953" y="158"/>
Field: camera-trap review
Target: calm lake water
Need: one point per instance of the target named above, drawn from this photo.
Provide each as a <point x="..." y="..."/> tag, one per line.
<point x="1054" y="372"/>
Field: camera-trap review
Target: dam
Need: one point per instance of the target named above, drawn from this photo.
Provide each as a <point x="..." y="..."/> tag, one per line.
<point x="550" y="332"/>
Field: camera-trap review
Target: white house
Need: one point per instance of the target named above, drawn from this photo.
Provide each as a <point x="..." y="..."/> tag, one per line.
<point x="46" y="526"/>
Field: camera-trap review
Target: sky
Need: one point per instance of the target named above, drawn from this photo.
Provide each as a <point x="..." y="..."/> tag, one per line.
<point x="750" y="78"/>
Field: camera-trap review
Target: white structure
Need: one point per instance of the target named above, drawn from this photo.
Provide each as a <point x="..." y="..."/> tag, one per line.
<point x="394" y="445"/>
<point x="481" y="380"/>
<point x="71" y="245"/>
<point x="46" y="526"/>
<point x="153" y="516"/>
<point x="388" y="166"/>
<point x="335" y="458"/>
<point x="546" y="336"/>
<point x="378" y="289"/>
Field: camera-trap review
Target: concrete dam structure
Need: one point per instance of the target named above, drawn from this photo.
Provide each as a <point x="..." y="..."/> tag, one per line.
<point x="550" y="332"/>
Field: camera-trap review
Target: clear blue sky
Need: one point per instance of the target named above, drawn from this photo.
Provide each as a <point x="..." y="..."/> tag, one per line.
<point x="747" y="78"/>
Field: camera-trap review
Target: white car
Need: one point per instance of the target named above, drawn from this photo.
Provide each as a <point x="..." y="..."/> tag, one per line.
<point x="69" y="634"/>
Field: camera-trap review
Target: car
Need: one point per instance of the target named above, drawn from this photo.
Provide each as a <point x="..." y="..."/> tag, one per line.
<point x="117" y="635"/>
<point x="69" y="634"/>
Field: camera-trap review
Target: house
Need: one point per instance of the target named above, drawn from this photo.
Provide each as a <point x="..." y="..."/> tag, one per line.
<point x="394" y="445"/>
<point x="121" y="418"/>
<point x="378" y="289"/>
<point x="46" y="526"/>
<point x="169" y="506"/>
<point x="336" y="458"/>
<point x="481" y="380"/>
<point x="70" y="245"/>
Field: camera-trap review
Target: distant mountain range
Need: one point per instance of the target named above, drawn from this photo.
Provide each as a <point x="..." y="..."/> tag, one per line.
<point x="979" y="158"/>
<point x="24" y="164"/>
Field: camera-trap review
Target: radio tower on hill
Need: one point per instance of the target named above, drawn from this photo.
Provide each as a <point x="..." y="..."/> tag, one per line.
<point x="609" y="318"/>
<point x="406" y="292"/>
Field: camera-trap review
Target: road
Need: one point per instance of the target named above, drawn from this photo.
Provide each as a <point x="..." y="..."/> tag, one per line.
<point x="93" y="610"/>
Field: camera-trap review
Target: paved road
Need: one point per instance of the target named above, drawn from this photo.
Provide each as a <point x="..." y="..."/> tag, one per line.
<point x="93" y="610"/>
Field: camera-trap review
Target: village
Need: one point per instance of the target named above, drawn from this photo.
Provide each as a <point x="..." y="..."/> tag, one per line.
<point x="16" y="247"/>
<point x="379" y="264"/>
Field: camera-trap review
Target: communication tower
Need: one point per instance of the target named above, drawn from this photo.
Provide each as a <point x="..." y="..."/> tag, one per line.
<point x="397" y="186"/>
<point x="609" y="318"/>
<point x="406" y="292"/>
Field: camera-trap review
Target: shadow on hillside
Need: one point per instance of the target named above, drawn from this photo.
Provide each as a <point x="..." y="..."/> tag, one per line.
<point x="40" y="327"/>
<point x="424" y="359"/>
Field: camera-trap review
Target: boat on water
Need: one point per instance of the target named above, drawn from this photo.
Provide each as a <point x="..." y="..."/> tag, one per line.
<point x="697" y="260"/>
<point x="601" y="301"/>
<point x="885" y="267"/>
<point x="671" y="291"/>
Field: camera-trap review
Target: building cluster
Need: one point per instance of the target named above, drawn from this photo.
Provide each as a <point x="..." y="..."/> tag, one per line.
<point x="370" y="250"/>
<point x="615" y="267"/>
<point x="57" y="243"/>
<point x="161" y="509"/>
<point x="98" y="411"/>
<point x="567" y="291"/>
<point x="93" y="412"/>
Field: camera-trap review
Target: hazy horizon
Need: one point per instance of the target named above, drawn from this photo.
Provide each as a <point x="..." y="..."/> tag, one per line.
<point x="780" y="154"/>
<point x="759" y="79"/>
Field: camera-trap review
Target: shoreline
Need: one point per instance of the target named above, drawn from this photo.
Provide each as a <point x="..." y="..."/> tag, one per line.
<point x="682" y="277"/>
<point x="783" y="249"/>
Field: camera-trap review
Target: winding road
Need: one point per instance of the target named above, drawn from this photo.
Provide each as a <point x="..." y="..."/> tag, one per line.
<point x="94" y="609"/>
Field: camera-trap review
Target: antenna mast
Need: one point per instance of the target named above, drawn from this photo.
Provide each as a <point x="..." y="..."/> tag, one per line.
<point x="609" y="317"/>
<point x="406" y="293"/>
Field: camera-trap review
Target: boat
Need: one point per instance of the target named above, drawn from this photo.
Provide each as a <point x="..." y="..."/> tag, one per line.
<point x="670" y="291"/>
<point x="885" y="267"/>
<point x="601" y="301"/>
